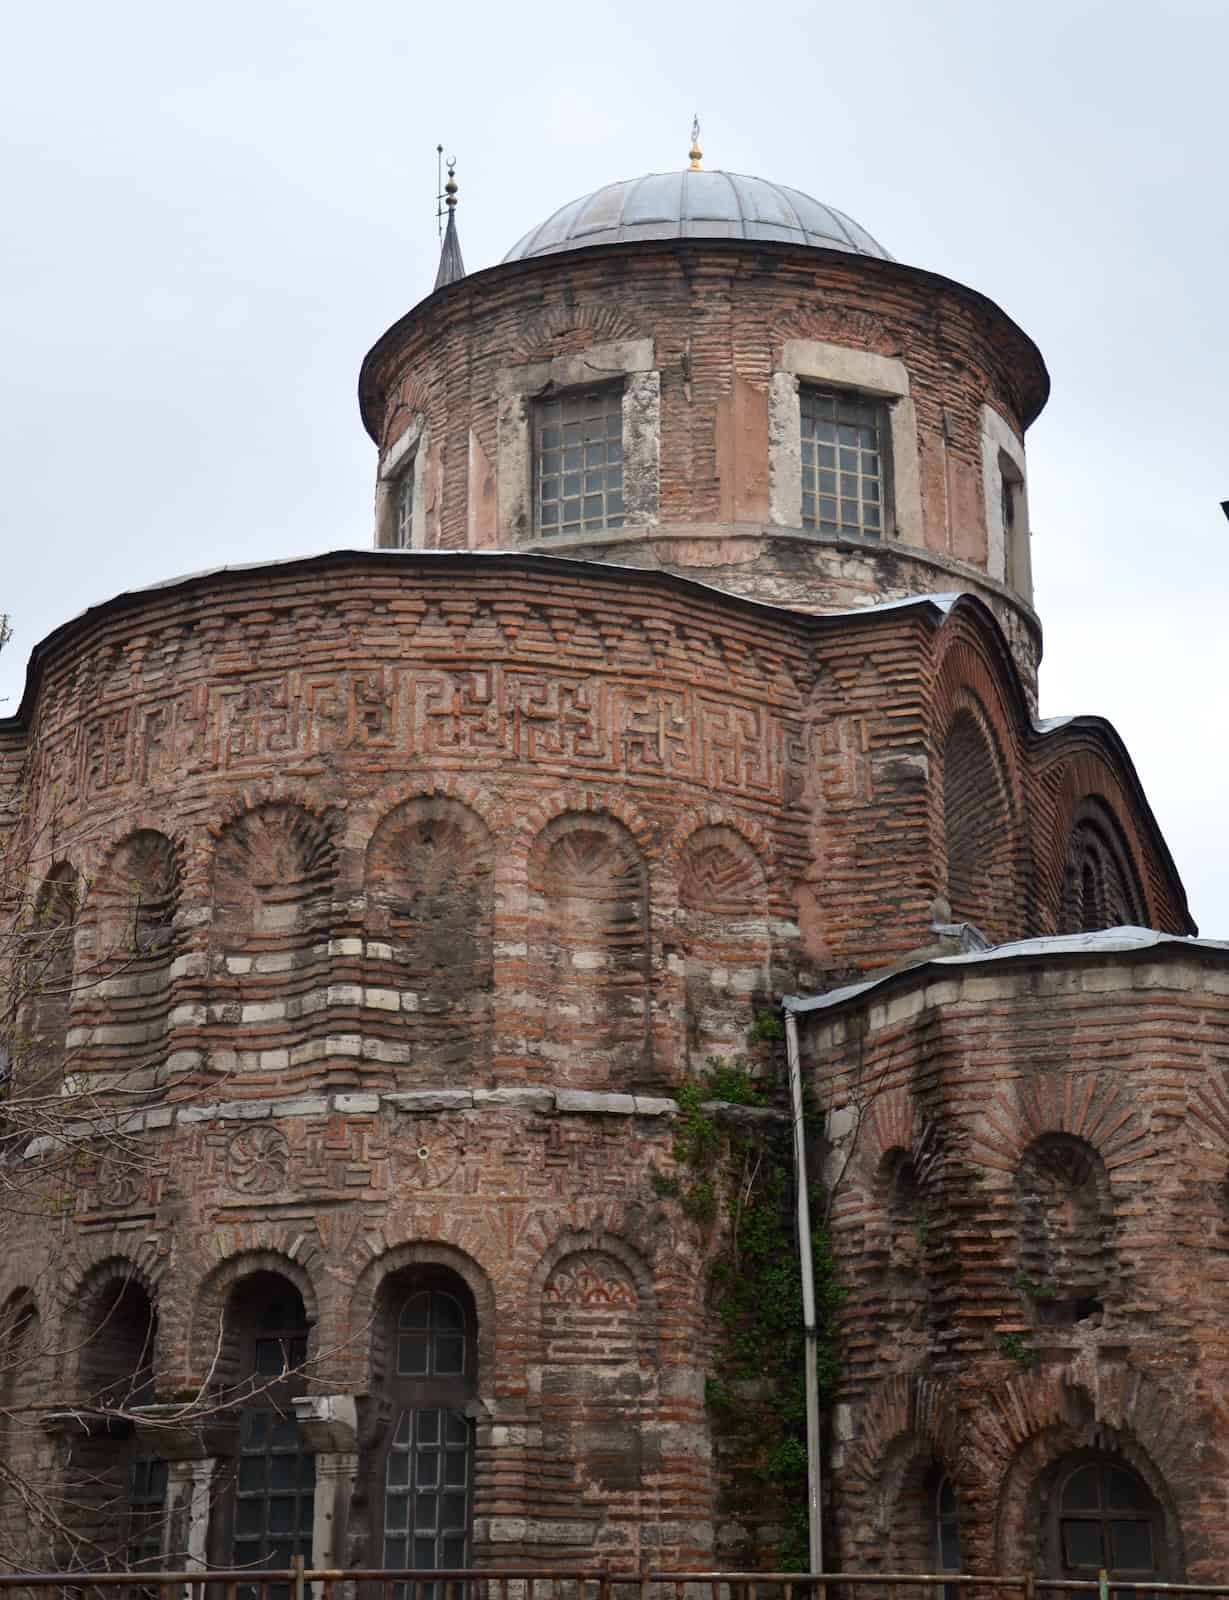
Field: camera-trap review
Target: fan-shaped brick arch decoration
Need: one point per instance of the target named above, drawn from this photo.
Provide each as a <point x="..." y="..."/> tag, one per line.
<point x="128" y="931"/>
<point x="590" y="951"/>
<point x="430" y="894"/>
<point x="1084" y="796"/>
<point x="568" y="330"/>
<point x="273" y="870"/>
<point x="1084" y="1104"/>
<point x="976" y="827"/>
<point x="727" y="942"/>
<point x="1031" y="1421"/>
<point x="132" y="901"/>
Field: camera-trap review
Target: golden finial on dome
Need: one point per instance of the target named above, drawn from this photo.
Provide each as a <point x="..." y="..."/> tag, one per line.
<point x="695" y="154"/>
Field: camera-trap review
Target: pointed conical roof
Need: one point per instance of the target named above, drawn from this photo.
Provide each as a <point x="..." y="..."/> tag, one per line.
<point x="451" y="265"/>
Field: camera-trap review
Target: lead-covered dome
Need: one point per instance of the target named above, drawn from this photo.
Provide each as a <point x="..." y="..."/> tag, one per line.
<point x="696" y="205"/>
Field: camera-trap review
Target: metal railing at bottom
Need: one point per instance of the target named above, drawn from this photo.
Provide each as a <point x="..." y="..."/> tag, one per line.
<point x="301" y="1582"/>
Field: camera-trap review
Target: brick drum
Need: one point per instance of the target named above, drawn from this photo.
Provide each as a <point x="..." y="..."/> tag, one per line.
<point x="401" y="891"/>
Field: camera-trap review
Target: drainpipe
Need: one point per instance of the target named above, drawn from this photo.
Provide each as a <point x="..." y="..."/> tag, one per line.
<point x="811" y="1332"/>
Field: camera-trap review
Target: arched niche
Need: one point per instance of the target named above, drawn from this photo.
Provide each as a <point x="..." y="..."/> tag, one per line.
<point x="24" y="1385"/>
<point x="589" y="951"/>
<point x="430" y="870"/>
<point x="725" y="934"/>
<point x="130" y="916"/>
<point x="272" y="878"/>
<point x="1067" y="1262"/>
<point x="116" y="1480"/>
<point x="266" y="1478"/>
<point x="1100" y="886"/>
<point x="421" y="1450"/>
<point x="47" y="980"/>
<point x="117" y="1325"/>
<point x="594" y="1325"/>
<point x="977" y="828"/>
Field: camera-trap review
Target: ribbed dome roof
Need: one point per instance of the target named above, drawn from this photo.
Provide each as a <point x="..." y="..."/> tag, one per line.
<point x="696" y="205"/>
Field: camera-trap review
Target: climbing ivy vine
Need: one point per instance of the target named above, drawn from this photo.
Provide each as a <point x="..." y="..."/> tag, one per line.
<point x="741" y="1174"/>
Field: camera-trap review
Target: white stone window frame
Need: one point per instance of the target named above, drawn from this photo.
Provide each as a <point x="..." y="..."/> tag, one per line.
<point x="407" y="455"/>
<point x="859" y="372"/>
<point x="1004" y="471"/>
<point x="629" y="361"/>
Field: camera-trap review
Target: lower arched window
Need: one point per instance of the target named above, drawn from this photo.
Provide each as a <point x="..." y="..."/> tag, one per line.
<point x="273" y="1492"/>
<point x="1105" y="1517"/>
<point x="429" y="1458"/>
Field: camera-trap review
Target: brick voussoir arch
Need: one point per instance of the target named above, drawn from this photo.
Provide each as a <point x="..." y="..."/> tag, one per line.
<point x="364" y="819"/>
<point x="209" y="1297"/>
<point x="422" y="1253"/>
<point x="538" y="339"/>
<point x="575" y="801"/>
<point x="1072" y="768"/>
<point x="1082" y="1104"/>
<point x="909" y="1410"/>
<point x="695" y="819"/>
<point x="1030" y="1422"/>
<point x="104" y="846"/>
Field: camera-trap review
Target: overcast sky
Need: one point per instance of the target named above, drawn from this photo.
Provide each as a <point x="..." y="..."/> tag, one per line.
<point x="211" y="212"/>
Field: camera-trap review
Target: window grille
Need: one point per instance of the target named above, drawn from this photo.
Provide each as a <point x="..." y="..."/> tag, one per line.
<point x="427" y="1475"/>
<point x="404" y="506"/>
<point x="274" y="1493"/>
<point x="1108" y="1521"/>
<point x="146" y="1512"/>
<point x="843" y="477"/>
<point x="578" y="456"/>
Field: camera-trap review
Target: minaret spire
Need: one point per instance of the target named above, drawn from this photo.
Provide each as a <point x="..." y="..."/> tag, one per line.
<point x="452" y="267"/>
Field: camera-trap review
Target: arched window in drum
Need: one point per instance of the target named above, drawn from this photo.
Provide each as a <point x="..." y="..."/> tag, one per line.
<point x="429" y="1464"/>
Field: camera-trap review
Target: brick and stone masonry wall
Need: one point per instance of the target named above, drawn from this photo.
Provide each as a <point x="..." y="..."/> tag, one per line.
<point x="413" y="886"/>
<point x="1050" y="1276"/>
<point x="717" y="318"/>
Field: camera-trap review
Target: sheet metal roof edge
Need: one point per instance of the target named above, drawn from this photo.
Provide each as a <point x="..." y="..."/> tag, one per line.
<point x="1108" y="941"/>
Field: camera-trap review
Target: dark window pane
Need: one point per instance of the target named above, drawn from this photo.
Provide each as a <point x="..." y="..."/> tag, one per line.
<point x="1082" y="1545"/>
<point x="412" y="1355"/>
<point x="428" y="1428"/>
<point x="1131" y="1543"/>
<point x="249" y="1517"/>
<point x="1080" y="1492"/>
<point x="1125" y="1492"/>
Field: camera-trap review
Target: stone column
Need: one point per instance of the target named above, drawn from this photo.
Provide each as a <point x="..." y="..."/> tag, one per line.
<point x="328" y="1426"/>
<point x="185" y="1537"/>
